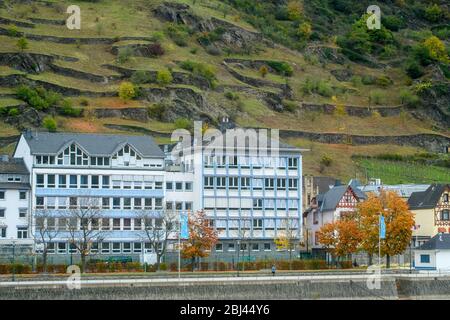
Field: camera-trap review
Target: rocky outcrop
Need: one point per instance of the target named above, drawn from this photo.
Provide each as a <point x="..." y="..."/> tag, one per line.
<point x="4" y="141"/>
<point x="232" y="36"/>
<point x="27" y="117"/>
<point x="12" y="80"/>
<point x="27" y="62"/>
<point x="48" y="21"/>
<point x="138" y="114"/>
<point x="342" y="74"/>
<point x="430" y="142"/>
<point x="326" y="54"/>
<point x="17" y="23"/>
<point x="69" y="72"/>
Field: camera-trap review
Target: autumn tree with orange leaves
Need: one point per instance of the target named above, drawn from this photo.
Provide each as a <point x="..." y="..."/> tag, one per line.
<point x="341" y="237"/>
<point x="399" y="222"/>
<point x="202" y="237"/>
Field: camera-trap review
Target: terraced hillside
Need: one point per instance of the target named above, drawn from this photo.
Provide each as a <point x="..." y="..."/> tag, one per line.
<point x="148" y="67"/>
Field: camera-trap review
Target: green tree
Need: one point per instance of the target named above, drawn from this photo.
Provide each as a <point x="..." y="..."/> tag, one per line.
<point x="22" y="43"/>
<point x="434" y="13"/>
<point x="304" y="30"/>
<point x="50" y="123"/>
<point x="436" y="49"/>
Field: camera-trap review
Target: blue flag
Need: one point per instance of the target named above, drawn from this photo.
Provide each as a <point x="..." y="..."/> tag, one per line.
<point x="184" y="230"/>
<point x="382" y="227"/>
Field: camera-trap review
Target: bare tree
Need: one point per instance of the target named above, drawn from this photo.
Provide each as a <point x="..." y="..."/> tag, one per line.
<point x="244" y="234"/>
<point x="158" y="229"/>
<point x="288" y="238"/>
<point x="44" y="232"/>
<point x="83" y="227"/>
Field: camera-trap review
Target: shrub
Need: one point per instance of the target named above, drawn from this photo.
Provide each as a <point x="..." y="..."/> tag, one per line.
<point x="127" y="91"/>
<point x="84" y="102"/>
<point x="408" y="98"/>
<point x="376" y="97"/>
<point x="384" y="81"/>
<point x="304" y="30"/>
<point x="22" y="43"/>
<point x="13" y="112"/>
<point x="193" y="50"/>
<point x="356" y="80"/>
<point x="68" y="110"/>
<point x="164" y="77"/>
<point x="263" y="71"/>
<point x="178" y="33"/>
<point x="414" y="69"/>
<point x="231" y="95"/>
<point x="281" y="67"/>
<point x="141" y="77"/>
<point x="326" y="160"/>
<point x="321" y="87"/>
<point x="39" y="98"/>
<point x="433" y="13"/>
<point x="201" y="69"/>
<point x="183" y="123"/>
<point x="155" y="50"/>
<point x="163" y="266"/>
<point x="173" y="267"/>
<point x="213" y="50"/>
<point x="157" y="36"/>
<point x="156" y="110"/>
<point x="436" y="49"/>
<point x="124" y="54"/>
<point x="12" y="31"/>
<point x="289" y="106"/>
<point x="368" y="80"/>
<point x="49" y="123"/>
<point x="393" y="23"/>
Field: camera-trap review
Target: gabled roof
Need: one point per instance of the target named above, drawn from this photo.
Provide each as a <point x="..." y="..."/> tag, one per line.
<point x="440" y="241"/>
<point x="93" y="144"/>
<point x="13" y="166"/>
<point x="332" y="197"/>
<point x="427" y="199"/>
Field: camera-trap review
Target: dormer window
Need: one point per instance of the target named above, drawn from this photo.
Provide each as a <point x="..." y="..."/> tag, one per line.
<point x="126" y="156"/>
<point x="73" y="156"/>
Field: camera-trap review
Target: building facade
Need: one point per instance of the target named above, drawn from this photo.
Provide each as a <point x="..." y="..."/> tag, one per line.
<point x="15" y="214"/>
<point x="131" y="182"/>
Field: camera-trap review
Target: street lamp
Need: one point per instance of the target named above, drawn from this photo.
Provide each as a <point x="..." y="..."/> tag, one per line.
<point x="13" y="259"/>
<point x="238" y="249"/>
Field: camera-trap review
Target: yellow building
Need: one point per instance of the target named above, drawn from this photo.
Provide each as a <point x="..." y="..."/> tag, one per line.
<point x="432" y="212"/>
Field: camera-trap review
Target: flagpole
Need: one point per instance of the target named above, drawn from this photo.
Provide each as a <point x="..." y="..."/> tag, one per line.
<point x="379" y="241"/>
<point x="179" y="246"/>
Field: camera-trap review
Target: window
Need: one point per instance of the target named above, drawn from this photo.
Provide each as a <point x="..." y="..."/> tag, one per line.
<point x="2" y="232"/>
<point x="62" y="247"/>
<point x="257" y="224"/>
<point x="219" y="247"/>
<point x="179" y="186"/>
<point x="446" y="197"/>
<point x="233" y="183"/>
<point x="105" y="247"/>
<point x="2" y="213"/>
<point x="105" y="203"/>
<point x="169" y="206"/>
<point x="255" y="247"/>
<point x="209" y="182"/>
<point x="269" y="183"/>
<point x="292" y="163"/>
<point x="188" y="186"/>
<point x="315" y="217"/>
<point x="116" y="247"/>
<point x="73" y="181"/>
<point x="62" y="181"/>
<point x="137" y="224"/>
<point x="158" y="203"/>
<point x="137" y="247"/>
<point x="50" y="181"/>
<point x="94" y="182"/>
<point x="105" y="182"/>
<point x="116" y="203"/>
<point x="245" y="183"/>
<point x="188" y="206"/>
<point x="39" y="202"/>
<point x="22" y="232"/>
<point x="267" y="246"/>
<point x="127" y="224"/>
<point x="148" y="203"/>
<point x="22" y="195"/>
<point x="116" y="224"/>
<point x="23" y="212"/>
<point x="257" y="203"/>
<point x="158" y="185"/>
<point x="73" y="156"/>
<point x="178" y="205"/>
<point x="84" y="181"/>
<point x="221" y="182"/>
<point x="106" y="224"/>
<point x="445" y="215"/>
<point x="126" y="247"/>
<point x="137" y="203"/>
<point x="73" y="202"/>
<point x="40" y="180"/>
<point x="127" y="203"/>
<point x="231" y="247"/>
<point x="281" y="184"/>
<point x="169" y="185"/>
<point x="424" y="258"/>
<point x="293" y="184"/>
<point x="2" y="195"/>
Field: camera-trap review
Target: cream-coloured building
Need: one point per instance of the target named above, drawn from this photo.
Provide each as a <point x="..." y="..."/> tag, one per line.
<point x="431" y="210"/>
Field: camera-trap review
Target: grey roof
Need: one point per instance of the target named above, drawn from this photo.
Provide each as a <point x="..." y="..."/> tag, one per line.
<point x="439" y="241"/>
<point x="93" y="144"/>
<point x="13" y="166"/>
<point x="427" y="199"/>
<point x="324" y="183"/>
<point x="332" y="197"/>
<point x="15" y="185"/>
<point x="403" y="190"/>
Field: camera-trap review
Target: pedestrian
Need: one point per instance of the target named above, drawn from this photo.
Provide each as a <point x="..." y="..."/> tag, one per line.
<point x="273" y="270"/>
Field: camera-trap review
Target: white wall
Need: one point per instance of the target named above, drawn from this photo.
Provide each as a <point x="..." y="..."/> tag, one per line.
<point x="420" y="265"/>
<point x="443" y="260"/>
<point x="12" y="204"/>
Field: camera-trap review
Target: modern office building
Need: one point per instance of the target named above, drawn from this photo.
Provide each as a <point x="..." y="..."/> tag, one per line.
<point x="250" y="200"/>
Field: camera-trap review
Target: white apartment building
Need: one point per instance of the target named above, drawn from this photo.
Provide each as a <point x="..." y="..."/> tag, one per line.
<point x="14" y="206"/>
<point x="250" y="201"/>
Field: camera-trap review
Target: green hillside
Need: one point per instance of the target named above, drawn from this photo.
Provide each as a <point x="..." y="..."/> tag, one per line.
<point x="309" y="68"/>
